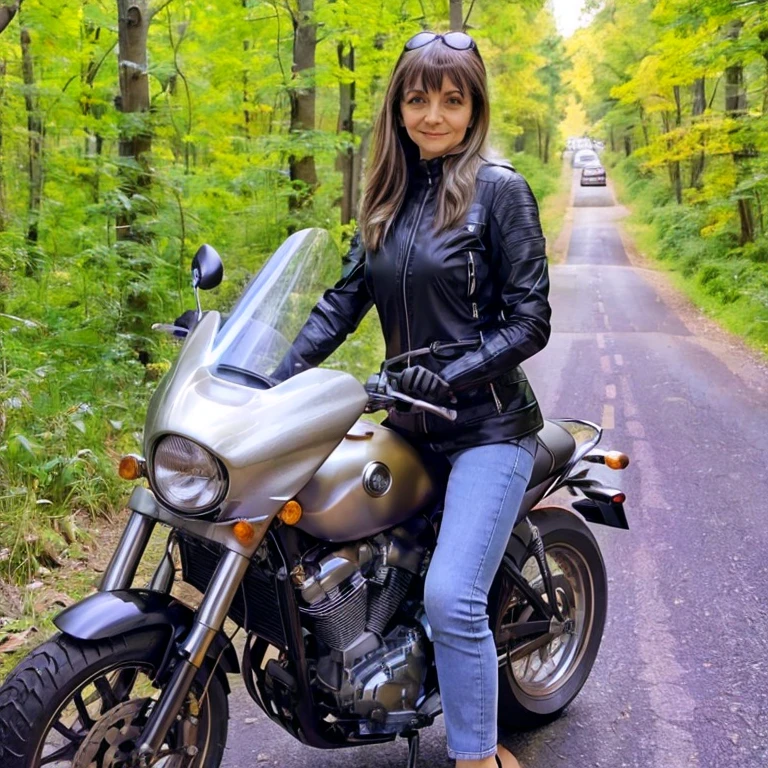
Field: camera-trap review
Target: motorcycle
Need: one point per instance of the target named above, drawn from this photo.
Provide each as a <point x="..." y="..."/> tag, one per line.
<point x="311" y="529"/>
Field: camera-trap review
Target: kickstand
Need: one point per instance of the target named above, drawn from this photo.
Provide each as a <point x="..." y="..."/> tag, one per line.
<point x="413" y="749"/>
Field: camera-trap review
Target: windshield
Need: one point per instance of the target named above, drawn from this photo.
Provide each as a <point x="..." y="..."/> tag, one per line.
<point x="274" y="307"/>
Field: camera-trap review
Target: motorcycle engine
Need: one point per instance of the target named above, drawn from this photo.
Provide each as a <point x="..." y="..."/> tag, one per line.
<point x="348" y="598"/>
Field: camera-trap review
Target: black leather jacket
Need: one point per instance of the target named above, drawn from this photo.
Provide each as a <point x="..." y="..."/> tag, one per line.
<point x="484" y="282"/>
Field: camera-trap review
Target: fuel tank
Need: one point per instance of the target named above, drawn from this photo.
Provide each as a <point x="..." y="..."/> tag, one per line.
<point x="373" y="480"/>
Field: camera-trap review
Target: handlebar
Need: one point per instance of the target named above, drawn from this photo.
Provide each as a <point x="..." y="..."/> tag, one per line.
<point x="381" y="395"/>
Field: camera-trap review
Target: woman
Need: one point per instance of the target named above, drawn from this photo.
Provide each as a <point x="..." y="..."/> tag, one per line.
<point x="450" y="249"/>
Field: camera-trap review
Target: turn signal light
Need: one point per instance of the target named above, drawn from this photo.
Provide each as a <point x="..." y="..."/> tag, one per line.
<point x="291" y="513"/>
<point x="131" y="467"/>
<point x="618" y="498"/>
<point x="244" y="532"/>
<point x="616" y="460"/>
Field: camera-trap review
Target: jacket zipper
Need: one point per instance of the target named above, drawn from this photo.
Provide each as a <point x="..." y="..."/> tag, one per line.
<point x="472" y="282"/>
<point x="407" y="257"/>
<point x="495" y="398"/>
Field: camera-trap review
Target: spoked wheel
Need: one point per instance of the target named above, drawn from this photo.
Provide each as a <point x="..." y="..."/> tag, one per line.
<point x="74" y="704"/>
<point x="539" y="678"/>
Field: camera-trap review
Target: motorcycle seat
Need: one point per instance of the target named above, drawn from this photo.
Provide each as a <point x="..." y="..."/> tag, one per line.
<point x="554" y="448"/>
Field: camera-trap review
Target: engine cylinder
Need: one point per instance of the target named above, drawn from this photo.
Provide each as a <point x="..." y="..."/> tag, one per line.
<point x="340" y="617"/>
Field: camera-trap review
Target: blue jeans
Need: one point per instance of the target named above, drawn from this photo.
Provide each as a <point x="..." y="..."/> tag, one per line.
<point x="485" y="489"/>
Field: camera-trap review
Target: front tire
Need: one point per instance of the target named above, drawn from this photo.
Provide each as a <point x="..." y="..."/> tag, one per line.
<point x="535" y="689"/>
<point x="51" y="702"/>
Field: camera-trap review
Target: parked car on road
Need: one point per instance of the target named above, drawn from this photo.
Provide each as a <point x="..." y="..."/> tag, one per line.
<point x="584" y="157"/>
<point x="593" y="175"/>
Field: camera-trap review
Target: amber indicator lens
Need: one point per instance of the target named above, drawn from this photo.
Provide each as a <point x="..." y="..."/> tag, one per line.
<point x="244" y="532"/>
<point x="616" y="460"/>
<point x="291" y="513"/>
<point x="130" y="468"/>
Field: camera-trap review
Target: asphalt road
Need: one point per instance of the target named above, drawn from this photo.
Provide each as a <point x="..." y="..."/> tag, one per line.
<point x="681" y="680"/>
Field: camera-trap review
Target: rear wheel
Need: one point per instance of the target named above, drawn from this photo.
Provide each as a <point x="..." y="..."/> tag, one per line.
<point x="535" y="687"/>
<point x="77" y="704"/>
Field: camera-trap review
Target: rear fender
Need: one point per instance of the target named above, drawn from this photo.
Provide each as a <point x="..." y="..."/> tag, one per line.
<point x="108" y="614"/>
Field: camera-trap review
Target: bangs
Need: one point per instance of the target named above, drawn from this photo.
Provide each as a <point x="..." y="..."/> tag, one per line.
<point x="425" y="68"/>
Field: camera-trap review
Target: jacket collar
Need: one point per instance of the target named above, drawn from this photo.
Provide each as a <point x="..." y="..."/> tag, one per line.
<point x="422" y="172"/>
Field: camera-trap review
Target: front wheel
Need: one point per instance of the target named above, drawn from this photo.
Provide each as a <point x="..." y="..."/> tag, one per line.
<point x="78" y="704"/>
<point x="535" y="688"/>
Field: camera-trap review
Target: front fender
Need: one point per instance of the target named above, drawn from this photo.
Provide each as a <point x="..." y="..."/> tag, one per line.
<point x="108" y="614"/>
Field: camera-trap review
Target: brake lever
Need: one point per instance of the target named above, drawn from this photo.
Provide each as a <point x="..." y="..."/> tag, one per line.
<point x="444" y="413"/>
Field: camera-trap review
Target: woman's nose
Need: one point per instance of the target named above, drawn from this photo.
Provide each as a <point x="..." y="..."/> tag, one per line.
<point x="434" y="114"/>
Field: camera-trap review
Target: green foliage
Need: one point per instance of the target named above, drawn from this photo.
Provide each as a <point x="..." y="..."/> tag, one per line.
<point x="78" y="360"/>
<point x="727" y="280"/>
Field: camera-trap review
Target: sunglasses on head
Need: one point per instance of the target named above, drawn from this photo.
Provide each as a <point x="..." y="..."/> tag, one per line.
<point x="459" y="41"/>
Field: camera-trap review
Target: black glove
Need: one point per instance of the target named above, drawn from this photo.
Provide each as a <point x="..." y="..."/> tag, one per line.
<point x="188" y="320"/>
<point x="422" y="384"/>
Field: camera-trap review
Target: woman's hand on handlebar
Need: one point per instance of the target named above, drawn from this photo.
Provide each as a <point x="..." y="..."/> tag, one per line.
<point x="418" y="381"/>
<point x="382" y="394"/>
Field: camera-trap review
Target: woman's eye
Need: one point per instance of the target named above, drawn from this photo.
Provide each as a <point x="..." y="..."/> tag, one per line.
<point x="415" y="99"/>
<point x="454" y="100"/>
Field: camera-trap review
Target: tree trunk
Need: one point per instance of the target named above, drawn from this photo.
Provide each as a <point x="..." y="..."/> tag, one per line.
<point x="538" y="138"/>
<point x="677" y="179"/>
<point x="357" y="176"/>
<point x="763" y="35"/>
<point x="4" y="217"/>
<point x="346" y="159"/>
<point x="133" y="28"/>
<point x="35" y="147"/>
<point x="457" y="19"/>
<point x="135" y="145"/>
<point x="736" y="107"/>
<point x="627" y="144"/>
<point x="94" y="141"/>
<point x="697" y="109"/>
<point x="246" y="84"/>
<point x="612" y="139"/>
<point x="302" y="169"/>
<point x="7" y="12"/>
<point x="644" y="126"/>
<point x="547" y="139"/>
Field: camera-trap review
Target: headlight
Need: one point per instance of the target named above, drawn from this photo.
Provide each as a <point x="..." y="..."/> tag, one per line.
<point x="187" y="477"/>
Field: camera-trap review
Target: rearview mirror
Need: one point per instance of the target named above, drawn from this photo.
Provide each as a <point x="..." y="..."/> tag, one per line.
<point x="207" y="268"/>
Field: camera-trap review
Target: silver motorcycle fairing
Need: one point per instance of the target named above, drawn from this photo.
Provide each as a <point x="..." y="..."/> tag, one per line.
<point x="336" y="505"/>
<point x="271" y="441"/>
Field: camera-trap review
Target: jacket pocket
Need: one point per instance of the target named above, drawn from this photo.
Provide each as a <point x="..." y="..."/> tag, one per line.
<point x="476" y="217"/>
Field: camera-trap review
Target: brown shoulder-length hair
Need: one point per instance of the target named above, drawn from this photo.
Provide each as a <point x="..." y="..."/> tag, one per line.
<point x="392" y="149"/>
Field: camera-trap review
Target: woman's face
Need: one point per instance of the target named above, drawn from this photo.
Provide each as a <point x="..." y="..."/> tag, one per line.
<point x="436" y="121"/>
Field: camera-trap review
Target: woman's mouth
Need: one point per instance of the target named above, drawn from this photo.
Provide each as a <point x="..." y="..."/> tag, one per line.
<point x="433" y="135"/>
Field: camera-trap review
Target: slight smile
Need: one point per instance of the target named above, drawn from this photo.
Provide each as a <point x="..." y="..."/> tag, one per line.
<point x="427" y="133"/>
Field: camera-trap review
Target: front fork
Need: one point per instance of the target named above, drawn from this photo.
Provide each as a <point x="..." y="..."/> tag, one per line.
<point x="209" y="620"/>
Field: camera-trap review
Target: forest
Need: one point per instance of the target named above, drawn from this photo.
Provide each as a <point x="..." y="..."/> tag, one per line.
<point x="679" y="91"/>
<point x="133" y="132"/>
